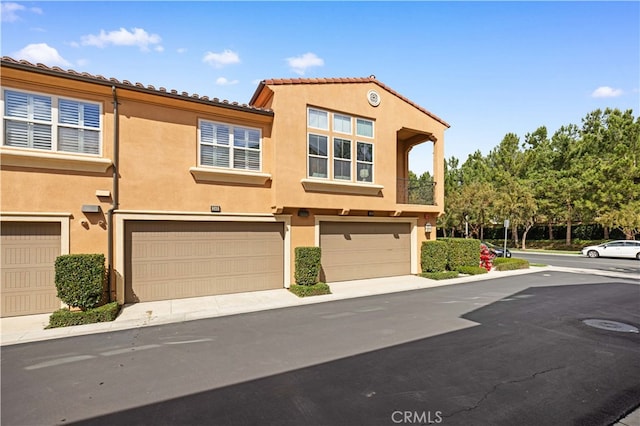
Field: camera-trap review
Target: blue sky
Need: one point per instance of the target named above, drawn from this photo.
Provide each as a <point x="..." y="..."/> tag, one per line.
<point x="487" y="68"/>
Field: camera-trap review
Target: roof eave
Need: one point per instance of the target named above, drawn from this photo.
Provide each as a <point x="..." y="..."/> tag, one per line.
<point x="138" y="87"/>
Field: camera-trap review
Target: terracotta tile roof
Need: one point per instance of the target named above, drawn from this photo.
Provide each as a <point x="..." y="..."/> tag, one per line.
<point x="10" y="62"/>
<point x="371" y="79"/>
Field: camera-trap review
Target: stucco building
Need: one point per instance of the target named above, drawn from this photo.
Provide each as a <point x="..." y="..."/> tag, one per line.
<point x="189" y="196"/>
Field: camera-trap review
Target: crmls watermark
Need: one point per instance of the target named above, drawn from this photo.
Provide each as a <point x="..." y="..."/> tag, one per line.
<point x="417" y="417"/>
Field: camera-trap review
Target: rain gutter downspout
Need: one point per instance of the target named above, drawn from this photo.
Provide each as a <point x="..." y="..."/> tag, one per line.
<point x="115" y="199"/>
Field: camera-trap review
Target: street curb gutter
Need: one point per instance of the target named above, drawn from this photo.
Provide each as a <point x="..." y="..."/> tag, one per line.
<point x="16" y="330"/>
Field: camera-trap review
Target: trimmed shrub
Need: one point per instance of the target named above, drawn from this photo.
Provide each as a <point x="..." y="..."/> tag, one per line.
<point x="442" y="275"/>
<point x="510" y="264"/>
<point x="80" y="279"/>
<point x="307" y="265"/>
<point x="433" y="256"/>
<point x="310" y="290"/>
<point x="471" y="270"/>
<point x="66" y="318"/>
<point x="462" y="252"/>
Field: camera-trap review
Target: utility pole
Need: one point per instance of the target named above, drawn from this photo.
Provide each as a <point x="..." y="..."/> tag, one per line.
<point x="466" y="226"/>
<point x="506" y="227"/>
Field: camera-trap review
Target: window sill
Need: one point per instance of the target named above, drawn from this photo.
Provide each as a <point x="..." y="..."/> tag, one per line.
<point x="229" y="176"/>
<point x="341" y="187"/>
<point x="55" y="161"/>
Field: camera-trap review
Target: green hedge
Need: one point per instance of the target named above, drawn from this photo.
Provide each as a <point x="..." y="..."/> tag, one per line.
<point x="471" y="270"/>
<point x="442" y="275"/>
<point x="80" y="279"/>
<point x="462" y="252"/>
<point x="510" y="264"/>
<point x="66" y="318"/>
<point x="310" y="290"/>
<point x="449" y="254"/>
<point x="307" y="265"/>
<point x="433" y="256"/>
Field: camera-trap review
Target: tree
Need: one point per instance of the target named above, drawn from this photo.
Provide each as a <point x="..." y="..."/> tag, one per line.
<point x="518" y="204"/>
<point x="421" y="189"/>
<point x="588" y="174"/>
<point x="539" y="171"/>
<point x="627" y="219"/>
<point x="566" y="175"/>
<point x="612" y="137"/>
<point x="477" y="200"/>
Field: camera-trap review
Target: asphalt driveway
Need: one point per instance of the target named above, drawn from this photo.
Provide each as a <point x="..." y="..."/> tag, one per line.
<point x="500" y="352"/>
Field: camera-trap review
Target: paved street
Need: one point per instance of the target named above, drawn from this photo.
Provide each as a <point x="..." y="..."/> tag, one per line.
<point x="506" y="351"/>
<point x="626" y="266"/>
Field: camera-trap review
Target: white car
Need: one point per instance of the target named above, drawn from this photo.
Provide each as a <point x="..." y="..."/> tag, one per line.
<point x="621" y="248"/>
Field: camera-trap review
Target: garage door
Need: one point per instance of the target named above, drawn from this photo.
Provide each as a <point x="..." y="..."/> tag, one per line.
<point x="172" y="260"/>
<point x="29" y="251"/>
<point x="353" y="251"/>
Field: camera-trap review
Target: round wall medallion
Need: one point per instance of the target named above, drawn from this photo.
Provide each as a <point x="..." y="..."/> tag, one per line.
<point x="373" y="97"/>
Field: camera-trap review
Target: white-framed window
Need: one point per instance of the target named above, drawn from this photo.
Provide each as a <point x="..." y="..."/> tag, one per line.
<point x="364" y="127"/>
<point x="364" y="162"/>
<point x="333" y="154"/>
<point x="228" y="146"/>
<point x="342" y="159"/>
<point x="51" y="123"/>
<point x="342" y="123"/>
<point x="318" y="154"/>
<point x="318" y="119"/>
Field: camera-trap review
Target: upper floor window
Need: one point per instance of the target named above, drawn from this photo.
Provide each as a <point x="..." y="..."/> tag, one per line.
<point x="228" y="146"/>
<point x="51" y="123"/>
<point x="318" y="156"/>
<point x="364" y="127"/>
<point x="342" y="152"/>
<point x="318" y="119"/>
<point x="342" y="123"/>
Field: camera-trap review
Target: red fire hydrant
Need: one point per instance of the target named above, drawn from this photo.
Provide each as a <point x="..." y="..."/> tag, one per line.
<point x="486" y="258"/>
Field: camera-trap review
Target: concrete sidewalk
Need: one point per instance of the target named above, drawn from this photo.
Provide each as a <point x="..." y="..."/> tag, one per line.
<point x="30" y="328"/>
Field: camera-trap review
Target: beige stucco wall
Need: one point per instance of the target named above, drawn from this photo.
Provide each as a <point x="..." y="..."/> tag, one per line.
<point x="290" y="104"/>
<point x="31" y="189"/>
<point x="159" y="148"/>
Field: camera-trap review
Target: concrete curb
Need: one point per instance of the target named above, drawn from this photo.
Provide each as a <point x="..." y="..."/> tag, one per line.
<point x="16" y="330"/>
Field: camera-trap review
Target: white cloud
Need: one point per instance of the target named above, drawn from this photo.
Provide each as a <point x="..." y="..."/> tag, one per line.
<point x="300" y="64"/>
<point x="122" y="37"/>
<point x="41" y="52"/>
<point x="181" y="50"/>
<point x="606" y="92"/>
<point x="221" y="81"/>
<point x="9" y="11"/>
<point x="219" y="60"/>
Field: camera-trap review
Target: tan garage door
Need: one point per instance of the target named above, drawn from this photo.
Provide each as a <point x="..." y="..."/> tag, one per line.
<point x="29" y="251"/>
<point x="353" y="251"/>
<point x="172" y="260"/>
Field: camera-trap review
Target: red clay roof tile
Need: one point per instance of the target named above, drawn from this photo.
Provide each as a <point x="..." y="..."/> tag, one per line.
<point x="8" y="61"/>
<point x="370" y="79"/>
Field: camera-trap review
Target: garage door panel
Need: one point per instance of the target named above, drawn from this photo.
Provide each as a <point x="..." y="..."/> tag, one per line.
<point x="352" y="250"/>
<point x="29" y="251"/>
<point x="190" y="259"/>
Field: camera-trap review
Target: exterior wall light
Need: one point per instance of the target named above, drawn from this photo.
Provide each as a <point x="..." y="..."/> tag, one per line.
<point x="428" y="227"/>
<point x="91" y="208"/>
